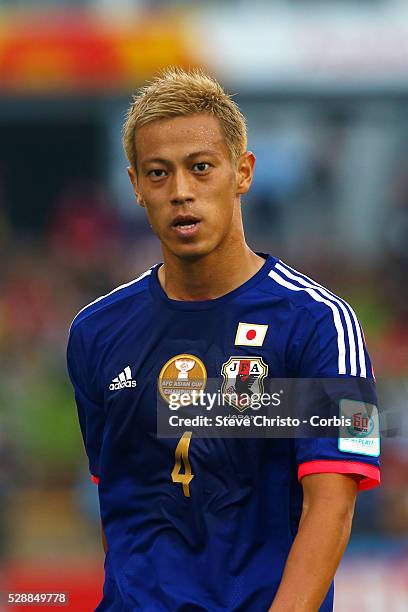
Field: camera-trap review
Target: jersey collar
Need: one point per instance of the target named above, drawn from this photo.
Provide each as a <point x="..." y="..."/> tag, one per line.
<point x="159" y="294"/>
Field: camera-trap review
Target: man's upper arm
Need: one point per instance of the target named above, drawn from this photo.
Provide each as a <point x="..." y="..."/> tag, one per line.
<point x="343" y="369"/>
<point x="104" y="541"/>
<point x="90" y="408"/>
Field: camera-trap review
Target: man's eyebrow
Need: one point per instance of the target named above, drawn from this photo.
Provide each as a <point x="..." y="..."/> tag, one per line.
<point x="155" y="160"/>
<point x="161" y="160"/>
<point x="203" y="152"/>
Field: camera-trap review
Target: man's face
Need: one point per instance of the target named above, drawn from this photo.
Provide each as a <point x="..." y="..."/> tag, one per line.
<point x="188" y="183"/>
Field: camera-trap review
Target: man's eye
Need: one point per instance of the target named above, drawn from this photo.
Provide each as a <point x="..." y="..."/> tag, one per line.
<point x="157" y="173"/>
<point x="201" y="167"/>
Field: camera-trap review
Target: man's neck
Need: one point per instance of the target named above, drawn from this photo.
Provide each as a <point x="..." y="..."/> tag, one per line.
<point x="210" y="277"/>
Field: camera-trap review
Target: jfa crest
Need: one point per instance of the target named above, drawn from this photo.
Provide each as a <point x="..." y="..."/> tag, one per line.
<point x="243" y="378"/>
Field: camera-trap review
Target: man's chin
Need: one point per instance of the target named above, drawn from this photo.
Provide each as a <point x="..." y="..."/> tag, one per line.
<point x="190" y="252"/>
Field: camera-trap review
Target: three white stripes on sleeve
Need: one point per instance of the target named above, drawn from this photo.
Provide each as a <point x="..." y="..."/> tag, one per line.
<point x="320" y="294"/>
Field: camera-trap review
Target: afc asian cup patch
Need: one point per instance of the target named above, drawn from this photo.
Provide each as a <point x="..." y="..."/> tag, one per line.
<point x="182" y="374"/>
<point x="361" y="434"/>
<point x="242" y="378"/>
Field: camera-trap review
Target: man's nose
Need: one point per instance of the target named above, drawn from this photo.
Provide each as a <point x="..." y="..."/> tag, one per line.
<point x="181" y="187"/>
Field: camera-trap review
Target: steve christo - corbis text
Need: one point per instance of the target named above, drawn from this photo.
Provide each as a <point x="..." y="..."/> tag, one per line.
<point x="257" y="420"/>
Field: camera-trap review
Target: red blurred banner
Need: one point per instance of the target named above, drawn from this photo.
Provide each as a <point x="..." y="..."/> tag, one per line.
<point x="82" y="582"/>
<point x="45" y="52"/>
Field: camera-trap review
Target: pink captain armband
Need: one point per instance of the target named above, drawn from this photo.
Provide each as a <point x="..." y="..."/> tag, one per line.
<point x="369" y="474"/>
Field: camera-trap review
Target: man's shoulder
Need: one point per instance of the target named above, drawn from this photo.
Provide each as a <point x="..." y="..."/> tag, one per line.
<point x="324" y="321"/>
<point x="302" y="294"/>
<point x="108" y="303"/>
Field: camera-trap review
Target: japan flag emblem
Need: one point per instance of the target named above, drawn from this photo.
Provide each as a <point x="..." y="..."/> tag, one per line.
<point x="250" y="334"/>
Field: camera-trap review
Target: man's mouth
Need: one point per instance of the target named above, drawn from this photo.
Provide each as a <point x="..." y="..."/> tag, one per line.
<point x="186" y="225"/>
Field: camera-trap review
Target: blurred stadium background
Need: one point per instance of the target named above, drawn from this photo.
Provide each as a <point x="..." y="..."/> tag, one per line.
<point x="324" y="86"/>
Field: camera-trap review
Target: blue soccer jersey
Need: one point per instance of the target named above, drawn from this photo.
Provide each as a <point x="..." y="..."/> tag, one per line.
<point x="219" y="539"/>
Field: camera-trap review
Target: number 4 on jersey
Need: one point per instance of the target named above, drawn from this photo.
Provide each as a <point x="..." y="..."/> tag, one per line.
<point x="181" y="453"/>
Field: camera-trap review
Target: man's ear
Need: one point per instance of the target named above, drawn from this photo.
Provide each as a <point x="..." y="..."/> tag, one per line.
<point x="133" y="180"/>
<point x="245" y="172"/>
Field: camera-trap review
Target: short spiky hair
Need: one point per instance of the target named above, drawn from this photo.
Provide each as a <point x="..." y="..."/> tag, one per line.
<point x="176" y="92"/>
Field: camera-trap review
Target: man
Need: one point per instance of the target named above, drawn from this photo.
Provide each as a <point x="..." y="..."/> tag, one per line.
<point x="251" y="524"/>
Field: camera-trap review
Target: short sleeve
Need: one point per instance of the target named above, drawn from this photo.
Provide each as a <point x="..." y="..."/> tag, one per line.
<point x="334" y="349"/>
<point x="90" y="408"/>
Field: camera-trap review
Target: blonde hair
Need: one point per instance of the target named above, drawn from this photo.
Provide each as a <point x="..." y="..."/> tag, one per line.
<point x="176" y="92"/>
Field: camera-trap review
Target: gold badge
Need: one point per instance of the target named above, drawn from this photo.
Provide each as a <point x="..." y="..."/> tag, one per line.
<point x="182" y="374"/>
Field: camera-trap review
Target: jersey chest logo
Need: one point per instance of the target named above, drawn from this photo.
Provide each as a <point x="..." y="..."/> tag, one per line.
<point x="182" y="374"/>
<point x="123" y="380"/>
<point x="242" y="379"/>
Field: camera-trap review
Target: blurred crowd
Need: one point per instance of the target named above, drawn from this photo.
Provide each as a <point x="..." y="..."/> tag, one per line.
<point x="85" y="250"/>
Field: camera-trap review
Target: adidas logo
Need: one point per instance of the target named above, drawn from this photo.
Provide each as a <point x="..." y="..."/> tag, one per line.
<point x="122" y="380"/>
